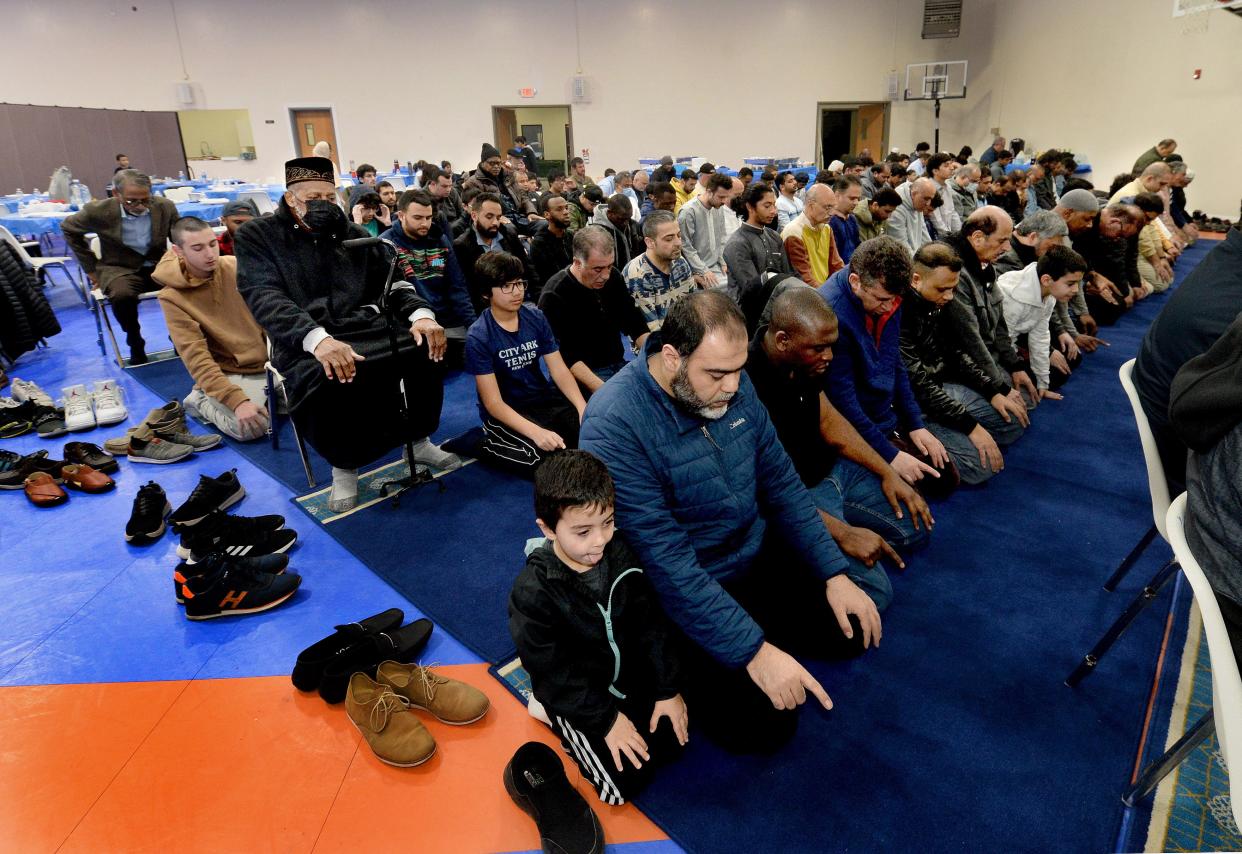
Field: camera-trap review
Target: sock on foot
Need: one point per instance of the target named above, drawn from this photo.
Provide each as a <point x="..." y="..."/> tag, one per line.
<point x="344" y="493"/>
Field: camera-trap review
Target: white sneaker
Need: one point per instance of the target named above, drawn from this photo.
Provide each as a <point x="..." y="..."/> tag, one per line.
<point x="24" y="390"/>
<point x="78" y="412"/>
<point x="108" y="406"/>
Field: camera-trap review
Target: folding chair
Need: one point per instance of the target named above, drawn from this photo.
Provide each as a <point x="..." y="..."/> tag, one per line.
<point x="276" y="381"/>
<point x="99" y="303"/>
<point x="40" y="265"/>
<point x="1158" y="489"/>
<point x="397" y="181"/>
<point x="178" y="194"/>
<point x="1225" y="716"/>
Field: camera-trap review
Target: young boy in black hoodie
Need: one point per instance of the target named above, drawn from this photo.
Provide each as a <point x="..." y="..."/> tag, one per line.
<point x="592" y="636"/>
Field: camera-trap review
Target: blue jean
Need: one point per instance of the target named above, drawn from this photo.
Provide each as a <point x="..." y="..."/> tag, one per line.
<point x="963" y="451"/>
<point x="853" y="494"/>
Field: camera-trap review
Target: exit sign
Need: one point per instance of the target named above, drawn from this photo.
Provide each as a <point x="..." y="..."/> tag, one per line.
<point x="527" y="92"/>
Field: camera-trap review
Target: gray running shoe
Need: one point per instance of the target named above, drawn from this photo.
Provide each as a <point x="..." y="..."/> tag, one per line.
<point x="178" y="433"/>
<point x="146" y="447"/>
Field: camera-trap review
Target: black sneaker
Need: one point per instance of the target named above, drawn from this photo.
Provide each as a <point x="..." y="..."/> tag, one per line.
<point x="312" y="661"/>
<point x="235" y="588"/>
<point x="211" y="494"/>
<point x="15" y="418"/>
<point x="146" y="523"/>
<point x="535" y="779"/>
<point x="271" y="564"/>
<point x="48" y="421"/>
<point x="92" y="455"/>
<point x="238" y="536"/>
<point x="403" y="645"/>
<point x="15" y="477"/>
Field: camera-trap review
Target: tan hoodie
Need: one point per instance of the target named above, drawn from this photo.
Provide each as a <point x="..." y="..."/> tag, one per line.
<point x="211" y="327"/>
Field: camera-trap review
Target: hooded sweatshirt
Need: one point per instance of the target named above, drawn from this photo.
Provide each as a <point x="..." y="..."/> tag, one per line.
<point x="429" y="264"/>
<point x="906" y="224"/>
<point x="1027" y="311"/>
<point x="211" y="327"/>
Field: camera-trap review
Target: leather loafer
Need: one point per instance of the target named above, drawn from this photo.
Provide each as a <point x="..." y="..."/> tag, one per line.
<point x="308" y="671"/>
<point x="93" y="455"/>
<point x="83" y="477"/>
<point x="403" y="645"/>
<point x="43" y="491"/>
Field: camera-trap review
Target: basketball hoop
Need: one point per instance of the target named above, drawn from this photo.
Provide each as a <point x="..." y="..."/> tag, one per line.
<point x="1194" y="17"/>
<point x="936" y="82"/>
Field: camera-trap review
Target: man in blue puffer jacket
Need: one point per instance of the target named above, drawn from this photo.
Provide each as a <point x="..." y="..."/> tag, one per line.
<point x="711" y="504"/>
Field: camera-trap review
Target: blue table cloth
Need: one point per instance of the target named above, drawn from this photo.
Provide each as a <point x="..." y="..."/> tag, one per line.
<point x="202" y="210"/>
<point x="35" y="225"/>
<point x="13" y="202"/>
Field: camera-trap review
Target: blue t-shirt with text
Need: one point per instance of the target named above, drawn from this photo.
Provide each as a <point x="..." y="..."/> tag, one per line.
<point x="512" y="356"/>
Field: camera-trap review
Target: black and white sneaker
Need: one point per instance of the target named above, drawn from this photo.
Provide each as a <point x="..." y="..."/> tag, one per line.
<point x="239" y="536"/>
<point x="211" y="494"/>
<point x="271" y="564"/>
<point x="146" y="523"/>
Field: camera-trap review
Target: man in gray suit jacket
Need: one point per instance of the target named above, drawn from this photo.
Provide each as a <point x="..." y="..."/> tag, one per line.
<point x="133" y="228"/>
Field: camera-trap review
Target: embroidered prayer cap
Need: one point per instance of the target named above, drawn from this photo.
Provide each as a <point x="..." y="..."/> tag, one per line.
<point x="301" y="169"/>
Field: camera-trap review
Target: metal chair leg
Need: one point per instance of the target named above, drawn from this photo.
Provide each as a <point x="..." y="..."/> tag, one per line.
<point x="272" y="432"/>
<point x="116" y="348"/>
<point x="1174" y="756"/>
<point x="1091" y="659"/>
<point x="297" y="439"/>
<point x="1128" y="563"/>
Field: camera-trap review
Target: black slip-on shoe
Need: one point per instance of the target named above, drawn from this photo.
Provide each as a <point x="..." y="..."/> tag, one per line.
<point x="535" y="779"/>
<point x="403" y="645"/>
<point x="312" y="661"/>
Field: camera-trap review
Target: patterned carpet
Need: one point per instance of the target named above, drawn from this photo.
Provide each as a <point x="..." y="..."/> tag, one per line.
<point x="1191" y="810"/>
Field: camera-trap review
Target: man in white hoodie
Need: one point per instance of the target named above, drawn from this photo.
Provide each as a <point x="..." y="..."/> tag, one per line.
<point x="1030" y="296"/>
<point x="909" y="222"/>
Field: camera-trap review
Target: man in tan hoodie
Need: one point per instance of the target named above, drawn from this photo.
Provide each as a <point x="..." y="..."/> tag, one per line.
<point x="217" y="338"/>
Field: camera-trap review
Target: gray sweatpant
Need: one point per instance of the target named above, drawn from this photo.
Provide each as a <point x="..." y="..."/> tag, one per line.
<point x="213" y="412"/>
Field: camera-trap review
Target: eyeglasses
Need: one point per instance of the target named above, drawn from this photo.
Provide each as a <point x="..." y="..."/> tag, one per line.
<point x="137" y="203"/>
<point x="511" y="287"/>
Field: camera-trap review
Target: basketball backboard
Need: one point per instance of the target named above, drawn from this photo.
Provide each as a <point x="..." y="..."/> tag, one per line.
<point x="936" y="81"/>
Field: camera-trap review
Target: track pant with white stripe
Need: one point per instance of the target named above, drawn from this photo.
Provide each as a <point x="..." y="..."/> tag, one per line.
<point x="514" y="452"/>
<point x="595" y="761"/>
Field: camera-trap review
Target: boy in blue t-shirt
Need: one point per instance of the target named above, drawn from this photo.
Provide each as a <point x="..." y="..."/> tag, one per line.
<point x="525" y="416"/>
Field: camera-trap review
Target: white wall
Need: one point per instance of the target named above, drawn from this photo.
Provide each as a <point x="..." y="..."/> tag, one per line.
<point x="702" y="77"/>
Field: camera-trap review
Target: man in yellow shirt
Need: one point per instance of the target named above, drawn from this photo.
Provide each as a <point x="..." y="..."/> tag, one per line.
<point x="808" y="238"/>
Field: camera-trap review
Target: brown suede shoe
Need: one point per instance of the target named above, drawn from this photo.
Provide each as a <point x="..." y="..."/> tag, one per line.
<point x="450" y="701"/>
<point x="396" y="736"/>
<point x="43" y="491"/>
<point x="83" y="477"/>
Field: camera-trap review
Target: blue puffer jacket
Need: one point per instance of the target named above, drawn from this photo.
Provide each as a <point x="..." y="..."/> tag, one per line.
<point x="694" y="498"/>
<point x="867" y="382"/>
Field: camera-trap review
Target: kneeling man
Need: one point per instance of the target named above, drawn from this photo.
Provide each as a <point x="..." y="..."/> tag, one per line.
<point x="728" y="534"/>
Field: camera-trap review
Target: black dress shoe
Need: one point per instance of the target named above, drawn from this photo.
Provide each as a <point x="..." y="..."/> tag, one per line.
<point x="535" y="779"/>
<point x="92" y="455"/>
<point x="308" y="671"/>
<point x="403" y="645"/>
<point x="138" y="356"/>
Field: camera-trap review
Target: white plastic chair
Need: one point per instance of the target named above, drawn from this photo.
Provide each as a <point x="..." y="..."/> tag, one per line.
<point x="1226" y="714"/>
<point x="99" y="304"/>
<point x="261" y="200"/>
<point x="397" y="181"/>
<point x="39" y="265"/>
<point x="1158" y="490"/>
<point x="178" y="194"/>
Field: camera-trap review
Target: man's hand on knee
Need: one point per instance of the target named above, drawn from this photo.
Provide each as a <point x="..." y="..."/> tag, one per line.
<point x="779" y="675"/>
<point x="338" y="359"/>
<point x="252" y="420"/>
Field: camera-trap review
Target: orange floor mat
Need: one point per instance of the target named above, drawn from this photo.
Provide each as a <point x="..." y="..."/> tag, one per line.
<point x="252" y="764"/>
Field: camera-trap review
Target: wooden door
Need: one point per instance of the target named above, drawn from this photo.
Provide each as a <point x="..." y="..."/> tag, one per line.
<point x="311" y="126"/>
<point x="504" y="121"/>
<point x="869" y="130"/>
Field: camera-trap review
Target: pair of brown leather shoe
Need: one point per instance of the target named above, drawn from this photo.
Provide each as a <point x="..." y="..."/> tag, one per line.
<point x="380" y="709"/>
<point x="45" y="490"/>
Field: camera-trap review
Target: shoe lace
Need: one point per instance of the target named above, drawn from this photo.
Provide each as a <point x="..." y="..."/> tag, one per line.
<point x="108" y="395"/>
<point x="387" y="704"/>
<point x="76" y="404"/>
<point x="430" y="680"/>
<point x="149" y="500"/>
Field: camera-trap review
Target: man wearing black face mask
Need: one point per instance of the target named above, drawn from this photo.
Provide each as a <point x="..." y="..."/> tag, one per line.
<point x="316" y="300"/>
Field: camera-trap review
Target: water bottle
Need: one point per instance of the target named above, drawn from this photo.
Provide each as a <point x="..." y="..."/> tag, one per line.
<point x="203" y="177"/>
<point x="180" y="174"/>
<point x="396" y="165"/>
